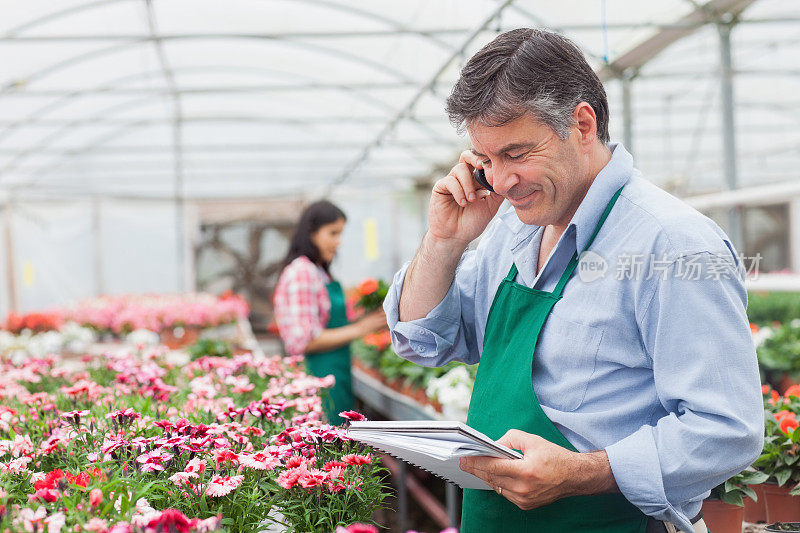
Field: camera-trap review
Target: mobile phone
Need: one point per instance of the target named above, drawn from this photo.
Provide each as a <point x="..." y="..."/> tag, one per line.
<point x="480" y="176"/>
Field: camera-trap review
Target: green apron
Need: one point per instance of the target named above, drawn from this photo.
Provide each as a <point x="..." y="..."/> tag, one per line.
<point x="503" y="398"/>
<point x="336" y="362"/>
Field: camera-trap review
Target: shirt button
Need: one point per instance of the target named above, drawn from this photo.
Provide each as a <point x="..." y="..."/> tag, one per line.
<point x="420" y="348"/>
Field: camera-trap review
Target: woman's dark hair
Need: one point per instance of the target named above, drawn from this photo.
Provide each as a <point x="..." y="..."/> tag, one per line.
<point x="314" y="217"/>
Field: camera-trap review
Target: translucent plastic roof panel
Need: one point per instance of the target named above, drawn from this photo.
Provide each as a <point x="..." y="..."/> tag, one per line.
<point x="264" y="97"/>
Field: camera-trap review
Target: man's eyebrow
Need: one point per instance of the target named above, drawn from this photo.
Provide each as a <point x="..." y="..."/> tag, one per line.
<point x="507" y="148"/>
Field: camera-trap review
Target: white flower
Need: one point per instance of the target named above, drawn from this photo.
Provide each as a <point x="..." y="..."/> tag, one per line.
<point x="762" y="334"/>
<point x="143" y="336"/>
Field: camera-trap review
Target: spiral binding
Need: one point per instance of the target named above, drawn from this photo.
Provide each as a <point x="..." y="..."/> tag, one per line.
<point x="414" y="464"/>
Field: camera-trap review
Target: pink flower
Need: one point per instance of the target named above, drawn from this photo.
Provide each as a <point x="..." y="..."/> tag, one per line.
<point x="354" y="459"/>
<point x="288" y="478"/>
<point x="222" y="485"/>
<point x="294" y="461"/>
<point x="45" y="495"/>
<point x="96" y="525"/>
<point x="196" y="465"/>
<point x="74" y="415"/>
<point x="95" y="497"/>
<point x="182" y="478"/>
<point x="330" y="465"/>
<point x="352" y="415"/>
<point x="15" y="466"/>
<point x="225" y="456"/>
<point x="357" y="528"/>
<point x="21" y="445"/>
<point x="152" y="461"/>
<point x="259" y="461"/>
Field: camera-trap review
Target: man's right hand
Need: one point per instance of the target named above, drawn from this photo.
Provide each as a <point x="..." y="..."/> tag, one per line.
<point x="458" y="213"/>
<point x="460" y="209"/>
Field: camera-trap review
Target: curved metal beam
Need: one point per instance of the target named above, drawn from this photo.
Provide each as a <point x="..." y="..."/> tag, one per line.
<point x="363" y="13"/>
<point x="94" y="54"/>
<point x="409" y="107"/>
<point x="360" y="96"/>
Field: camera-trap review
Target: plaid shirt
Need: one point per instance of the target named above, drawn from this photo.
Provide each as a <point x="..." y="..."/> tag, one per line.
<point x="302" y="305"/>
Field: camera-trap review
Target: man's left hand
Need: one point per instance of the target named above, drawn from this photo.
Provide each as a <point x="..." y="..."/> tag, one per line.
<point x="547" y="472"/>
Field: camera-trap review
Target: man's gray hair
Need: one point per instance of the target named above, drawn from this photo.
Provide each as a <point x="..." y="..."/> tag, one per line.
<point x="528" y="71"/>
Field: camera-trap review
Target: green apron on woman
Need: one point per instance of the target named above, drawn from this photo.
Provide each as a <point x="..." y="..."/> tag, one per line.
<point x="336" y="362"/>
<point x="503" y="398"/>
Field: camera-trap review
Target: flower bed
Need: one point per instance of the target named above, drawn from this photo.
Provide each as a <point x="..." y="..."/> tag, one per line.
<point x="447" y="389"/>
<point x="141" y="443"/>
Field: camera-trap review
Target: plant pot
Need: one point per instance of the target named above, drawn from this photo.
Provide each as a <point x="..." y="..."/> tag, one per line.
<point x="756" y="510"/>
<point x="781" y="506"/>
<point x="785" y="382"/>
<point x="783" y="526"/>
<point x="179" y="337"/>
<point x="721" y="517"/>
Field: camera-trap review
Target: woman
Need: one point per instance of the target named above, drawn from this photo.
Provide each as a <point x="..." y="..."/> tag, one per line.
<point x="310" y="305"/>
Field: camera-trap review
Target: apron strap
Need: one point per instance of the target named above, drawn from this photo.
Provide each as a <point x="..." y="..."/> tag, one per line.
<point x="512" y="273"/>
<point x="573" y="263"/>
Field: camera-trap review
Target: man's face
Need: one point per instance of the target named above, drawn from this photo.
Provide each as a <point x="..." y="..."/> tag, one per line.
<point x="537" y="172"/>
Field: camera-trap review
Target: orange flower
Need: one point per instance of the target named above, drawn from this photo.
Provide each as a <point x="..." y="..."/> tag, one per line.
<point x="754" y="328"/>
<point x="368" y="286"/>
<point x="775" y="396"/>
<point x="794" y="390"/>
<point x="380" y="341"/>
<point x="765" y="389"/>
<point x="780" y="415"/>
<point x="789" y="424"/>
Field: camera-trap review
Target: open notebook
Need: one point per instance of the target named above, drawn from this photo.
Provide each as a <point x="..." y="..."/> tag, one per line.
<point x="435" y="446"/>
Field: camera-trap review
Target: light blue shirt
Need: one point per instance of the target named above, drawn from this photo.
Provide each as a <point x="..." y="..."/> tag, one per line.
<point x="652" y="360"/>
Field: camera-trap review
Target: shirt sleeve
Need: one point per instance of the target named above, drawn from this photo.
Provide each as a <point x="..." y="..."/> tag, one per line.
<point x="447" y="333"/>
<point x="300" y="310"/>
<point x="706" y="377"/>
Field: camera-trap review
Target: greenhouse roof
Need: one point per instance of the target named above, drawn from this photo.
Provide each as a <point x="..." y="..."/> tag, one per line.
<point x="264" y="98"/>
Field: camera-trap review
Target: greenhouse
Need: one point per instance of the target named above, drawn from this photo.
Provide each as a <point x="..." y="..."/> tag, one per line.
<point x="268" y="265"/>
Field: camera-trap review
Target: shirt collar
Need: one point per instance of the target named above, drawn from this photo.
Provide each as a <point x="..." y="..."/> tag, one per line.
<point x="614" y="175"/>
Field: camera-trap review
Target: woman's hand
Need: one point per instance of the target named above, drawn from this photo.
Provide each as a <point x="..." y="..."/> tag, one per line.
<point x="371" y="322"/>
<point x="460" y="209"/>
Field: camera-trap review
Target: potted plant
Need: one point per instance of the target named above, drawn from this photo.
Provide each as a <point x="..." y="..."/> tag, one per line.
<point x="779" y="459"/>
<point x="723" y="511"/>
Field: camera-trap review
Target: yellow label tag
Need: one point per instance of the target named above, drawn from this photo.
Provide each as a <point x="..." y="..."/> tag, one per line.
<point x="371" y="250"/>
<point x="28" y="274"/>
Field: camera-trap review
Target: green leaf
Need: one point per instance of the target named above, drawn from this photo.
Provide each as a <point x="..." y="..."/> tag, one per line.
<point x="782" y="476"/>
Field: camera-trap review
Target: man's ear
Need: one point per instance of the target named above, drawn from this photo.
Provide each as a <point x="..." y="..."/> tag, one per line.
<point x="585" y="120"/>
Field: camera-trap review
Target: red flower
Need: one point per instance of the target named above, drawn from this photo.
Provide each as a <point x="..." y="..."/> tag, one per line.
<point x="330" y="465"/>
<point x="765" y="389"/>
<point x="294" y="461"/>
<point x="352" y="415"/>
<point x="354" y="459"/>
<point x="225" y="456"/>
<point x="789" y="424"/>
<point x="50" y="480"/>
<point x="368" y="286"/>
<point x="794" y="390"/>
<point x="169" y="521"/>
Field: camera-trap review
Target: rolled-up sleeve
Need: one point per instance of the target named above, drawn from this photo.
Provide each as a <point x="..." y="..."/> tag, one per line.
<point x="697" y="335"/>
<point x="447" y="333"/>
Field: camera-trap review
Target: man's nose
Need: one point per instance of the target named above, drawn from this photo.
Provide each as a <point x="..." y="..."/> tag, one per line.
<point x="502" y="180"/>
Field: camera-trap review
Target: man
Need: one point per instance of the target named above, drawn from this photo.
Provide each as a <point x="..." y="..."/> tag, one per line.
<point x="608" y="317"/>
